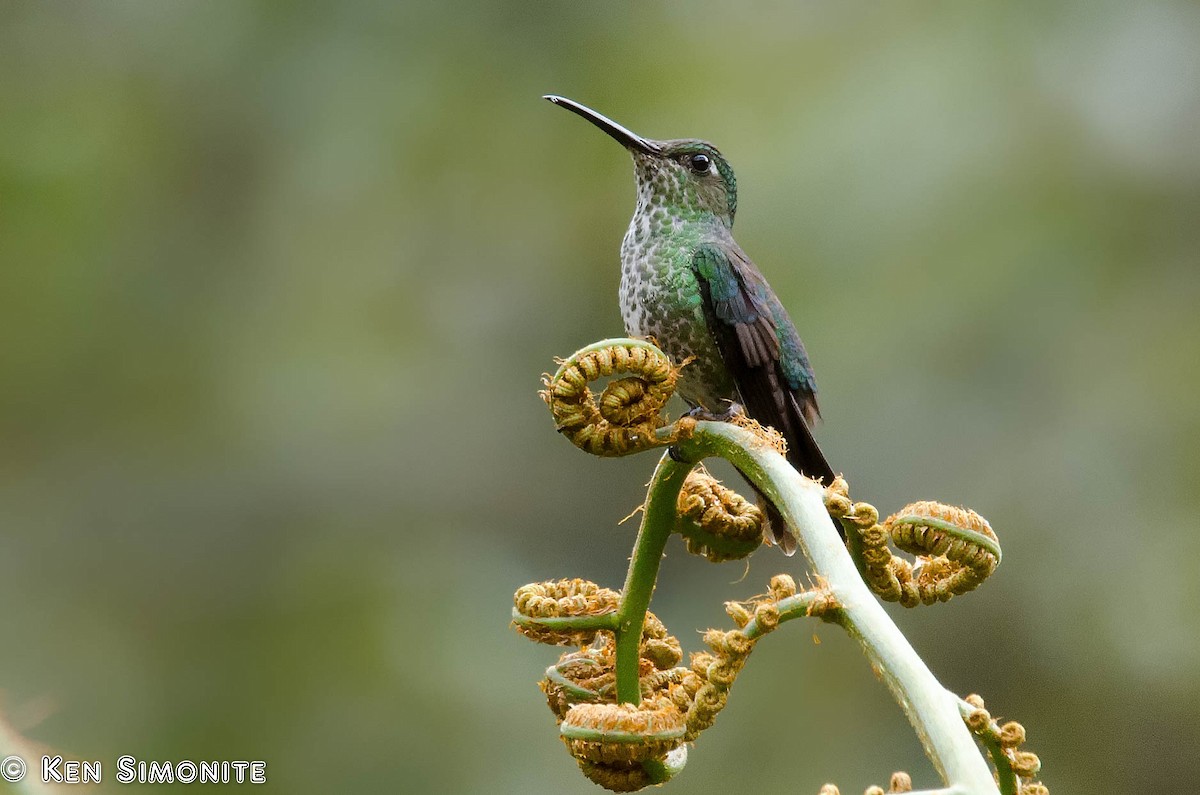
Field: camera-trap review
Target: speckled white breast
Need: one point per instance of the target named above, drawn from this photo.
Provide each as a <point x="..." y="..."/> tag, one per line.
<point x="660" y="298"/>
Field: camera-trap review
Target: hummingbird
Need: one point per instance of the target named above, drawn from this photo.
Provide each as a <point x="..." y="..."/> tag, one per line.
<point x="686" y="283"/>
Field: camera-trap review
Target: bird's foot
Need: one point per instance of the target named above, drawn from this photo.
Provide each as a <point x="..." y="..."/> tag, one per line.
<point x="704" y="415"/>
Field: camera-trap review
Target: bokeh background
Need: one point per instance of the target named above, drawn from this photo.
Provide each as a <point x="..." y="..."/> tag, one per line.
<point x="278" y="280"/>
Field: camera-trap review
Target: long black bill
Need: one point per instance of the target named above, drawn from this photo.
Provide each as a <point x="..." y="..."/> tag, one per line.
<point x="627" y="138"/>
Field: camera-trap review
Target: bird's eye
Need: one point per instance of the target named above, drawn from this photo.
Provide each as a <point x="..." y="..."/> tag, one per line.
<point x="699" y="163"/>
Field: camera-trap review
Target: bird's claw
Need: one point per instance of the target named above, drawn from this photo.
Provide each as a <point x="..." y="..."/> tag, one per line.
<point x="704" y="415"/>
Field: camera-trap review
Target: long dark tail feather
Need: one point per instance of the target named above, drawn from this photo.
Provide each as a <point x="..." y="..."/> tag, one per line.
<point x="777" y="526"/>
<point x="806" y="456"/>
<point x="803" y="451"/>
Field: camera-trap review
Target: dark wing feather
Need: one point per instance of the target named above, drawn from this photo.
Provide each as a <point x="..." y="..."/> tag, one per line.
<point x="764" y="356"/>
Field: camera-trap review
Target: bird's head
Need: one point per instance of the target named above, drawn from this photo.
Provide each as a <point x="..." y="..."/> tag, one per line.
<point x="686" y="176"/>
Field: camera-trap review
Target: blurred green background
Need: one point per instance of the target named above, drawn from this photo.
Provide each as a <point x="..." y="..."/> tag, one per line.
<point x="278" y="280"/>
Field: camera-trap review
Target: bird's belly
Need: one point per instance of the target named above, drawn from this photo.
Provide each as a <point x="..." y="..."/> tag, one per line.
<point x="702" y="384"/>
<point x="669" y="309"/>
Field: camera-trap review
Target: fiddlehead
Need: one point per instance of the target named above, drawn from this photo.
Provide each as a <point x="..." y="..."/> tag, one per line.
<point x="626" y="706"/>
<point x="716" y="521"/>
<point x="956" y="548"/>
<point x="627" y="416"/>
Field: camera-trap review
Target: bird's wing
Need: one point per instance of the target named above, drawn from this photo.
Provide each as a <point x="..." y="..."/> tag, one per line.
<point x="762" y="351"/>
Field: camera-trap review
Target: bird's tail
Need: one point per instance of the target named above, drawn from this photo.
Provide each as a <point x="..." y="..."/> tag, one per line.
<point x="803" y="451"/>
<point x="805" y="455"/>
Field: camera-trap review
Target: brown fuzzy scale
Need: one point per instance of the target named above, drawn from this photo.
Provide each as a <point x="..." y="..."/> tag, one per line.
<point x="562" y="598"/>
<point x="764" y="435"/>
<point x="574" y="597"/>
<point x="979" y="722"/>
<point x="559" y="699"/>
<point x="713" y="673"/>
<point x="654" y="627"/>
<point x="767" y="616"/>
<point x="627" y="401"/>
<point x="1010" y="736"/>
<point x="657" y="722"/>
<point x="594" y="669"/>
<point x="626" y="416"/>
<point x="782" y="586"/>
<point x="591" y="669"/>
<point x="661" y="681"/>
<point x="663" y="653"/>
<point x="711" y="511"/>
<point x="704" y="691"/>
<point x="958" y="566"/>
<point x="740" y="615"/>
<point x="625" y="777"/>
<point x="1026" y="764"/>
<point x="953" y="566"/>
